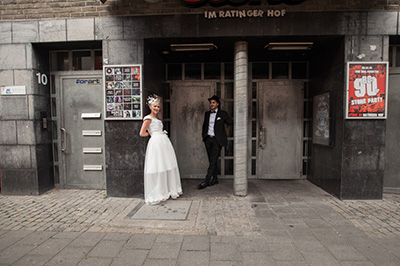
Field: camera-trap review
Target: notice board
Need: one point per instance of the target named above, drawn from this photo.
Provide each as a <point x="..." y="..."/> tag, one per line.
<point x="123" y="92"/>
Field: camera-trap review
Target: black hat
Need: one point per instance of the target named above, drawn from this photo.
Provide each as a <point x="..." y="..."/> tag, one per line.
<point x="214" y="97"/>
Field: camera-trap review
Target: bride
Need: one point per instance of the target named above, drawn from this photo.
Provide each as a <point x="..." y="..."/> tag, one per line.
<point x="161" y="172"/>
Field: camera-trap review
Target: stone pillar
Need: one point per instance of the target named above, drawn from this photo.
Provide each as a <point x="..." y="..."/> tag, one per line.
<point x="363" y="151"/>
<point x="240" y="118"/>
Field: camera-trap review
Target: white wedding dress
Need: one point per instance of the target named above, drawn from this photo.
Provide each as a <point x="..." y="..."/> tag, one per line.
<point x="161" y="172"/>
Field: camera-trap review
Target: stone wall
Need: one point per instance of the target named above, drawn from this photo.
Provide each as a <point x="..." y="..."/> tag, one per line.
<point x="25" y="146"/>
<point x="392" y="160"/>
<point x="33" y="9"/>
<point x="327" y="72"/>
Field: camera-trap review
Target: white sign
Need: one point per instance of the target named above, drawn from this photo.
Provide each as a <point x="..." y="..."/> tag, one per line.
<point x="91" y="132"/>
<point x="235" y="13"/>
<point x="13" y="90"/>
<point x="90" y="115"/>
<point x="92" y="150"/>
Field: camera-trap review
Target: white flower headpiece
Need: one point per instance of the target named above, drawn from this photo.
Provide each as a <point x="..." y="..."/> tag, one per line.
<point x="152" y="99"/>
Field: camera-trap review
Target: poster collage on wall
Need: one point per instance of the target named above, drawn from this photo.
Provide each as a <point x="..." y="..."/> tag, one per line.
<point x="123" y="91"/>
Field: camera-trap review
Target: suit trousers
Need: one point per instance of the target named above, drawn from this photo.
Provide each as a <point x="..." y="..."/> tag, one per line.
<point x="213" y="152"/>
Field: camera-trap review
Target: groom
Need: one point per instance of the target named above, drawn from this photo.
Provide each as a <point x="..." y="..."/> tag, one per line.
<point x="214" y="137"/>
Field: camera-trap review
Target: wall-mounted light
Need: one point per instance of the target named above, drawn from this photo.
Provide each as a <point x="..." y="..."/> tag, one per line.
<point x="193" y="47"/>
<point x="289" y="46"/>
<point x="103" y="1"/>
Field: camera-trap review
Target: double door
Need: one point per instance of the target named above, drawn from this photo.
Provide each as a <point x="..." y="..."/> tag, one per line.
<point x="279" y="120"/>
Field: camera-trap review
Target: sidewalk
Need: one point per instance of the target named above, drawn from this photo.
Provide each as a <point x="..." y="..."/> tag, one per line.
<point x="278" y="223"/>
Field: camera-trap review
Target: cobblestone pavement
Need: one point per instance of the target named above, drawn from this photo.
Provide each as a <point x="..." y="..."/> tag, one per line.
<point x="377" y="218"/>
<point x="278" y="223"/>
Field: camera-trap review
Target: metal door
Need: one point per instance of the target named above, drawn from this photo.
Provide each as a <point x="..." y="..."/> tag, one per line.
<point x="280" y="109"/>
<point x="81" y="127"/>
<point x="188" y="105"/>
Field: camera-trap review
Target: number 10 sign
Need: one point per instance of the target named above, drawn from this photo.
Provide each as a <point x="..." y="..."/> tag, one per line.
<point x="367" y="84"/>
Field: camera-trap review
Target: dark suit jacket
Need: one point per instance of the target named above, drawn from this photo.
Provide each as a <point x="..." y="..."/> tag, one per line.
<point x="221" y="119"/>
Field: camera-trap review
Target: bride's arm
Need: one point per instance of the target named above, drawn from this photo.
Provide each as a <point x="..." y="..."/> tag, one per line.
<point x="145" y="126"/>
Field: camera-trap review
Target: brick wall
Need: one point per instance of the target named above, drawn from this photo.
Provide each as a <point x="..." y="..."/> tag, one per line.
<point x="45" y="9"/>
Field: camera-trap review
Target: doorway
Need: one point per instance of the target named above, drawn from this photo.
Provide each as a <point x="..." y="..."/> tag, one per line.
<point x="78" y="148"/>
<point x="280" y="129"/>
<point x="189" y="102"/>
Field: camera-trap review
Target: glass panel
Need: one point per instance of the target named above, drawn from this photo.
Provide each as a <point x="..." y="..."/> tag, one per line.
<point x="397" y="56"/>
<point x="305" y="167"/>
<point x="306" y="91"/>
<point x="228" y="107"/>
<point x="54" y="129"/>
<point x="81" y="60"/>
<point x="166" y="111"/>
<point x="229" y="90"/>
<point x="229" y="167"/>
<point x="53" y="107"/>
<point x="98" y="60"/>
<point x="219" y="167"/>
<point x="167" y="126"/>
<point x="254" y="147"/>
<point x="254" y="90"/>
<point x="59" y="61"/>
<point x="56" y="174"/>
<point x="253" y="110"/>
<point x="254" y="129"/>
<point x="212" y="71"/>
<point x="174" y="72"/>
<point x="53" y="84"/>
<point x="228" y="71"/>
<point x="305" y="129"/>
<point x="230" y="130"/>
<point x="253" y="167"/>
<point x="299" y="70"/>
<point x="260" y="70"/>
<point x="280" y="70"/>
<point x="55" y="152"/>
<point x="219" y="89"/>
<point x="192" y="71"/>
<point x="305" y="108"/>
<point x="229" y="148"/>
<point x="391" y="56"/>
<point x="167" y="91"/>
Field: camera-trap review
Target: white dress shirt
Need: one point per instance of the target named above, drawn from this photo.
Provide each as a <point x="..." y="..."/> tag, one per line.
<point x="211" y="123"/>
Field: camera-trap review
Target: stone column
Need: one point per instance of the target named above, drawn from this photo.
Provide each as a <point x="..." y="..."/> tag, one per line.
<point x="240" y="118"/>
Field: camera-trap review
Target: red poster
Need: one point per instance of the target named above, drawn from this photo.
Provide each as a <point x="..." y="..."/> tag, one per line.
<point x="367" y="84"/>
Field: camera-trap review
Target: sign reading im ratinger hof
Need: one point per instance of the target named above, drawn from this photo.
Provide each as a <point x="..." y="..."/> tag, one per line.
<point x="367" y="85"/>
<point x="123" y="92"/>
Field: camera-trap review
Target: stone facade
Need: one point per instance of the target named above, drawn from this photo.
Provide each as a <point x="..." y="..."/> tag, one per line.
<point x="27" y="28"/>
<point x="48" y="9"/>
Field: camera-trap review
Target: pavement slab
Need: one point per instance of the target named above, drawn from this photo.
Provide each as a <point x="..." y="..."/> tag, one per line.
<point x="278" y="223"/>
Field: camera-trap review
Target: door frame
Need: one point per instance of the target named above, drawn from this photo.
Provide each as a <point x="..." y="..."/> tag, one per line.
<point x="218" y="87"/>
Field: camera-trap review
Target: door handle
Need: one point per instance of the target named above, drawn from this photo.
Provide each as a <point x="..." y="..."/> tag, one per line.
<point x="63" y="139"/>
<point x="263" y="137"/>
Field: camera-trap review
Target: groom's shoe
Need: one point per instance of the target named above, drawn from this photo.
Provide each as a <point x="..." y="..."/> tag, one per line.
<point x="202" y="185"/>
<point x="213" y="182"/>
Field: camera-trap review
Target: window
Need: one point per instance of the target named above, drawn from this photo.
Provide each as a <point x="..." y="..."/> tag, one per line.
<point x="193" y="71"/>
<point x="76" y="60"/>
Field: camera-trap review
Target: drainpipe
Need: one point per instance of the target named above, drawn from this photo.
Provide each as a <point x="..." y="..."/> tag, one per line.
<point x="240" y="118"/>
